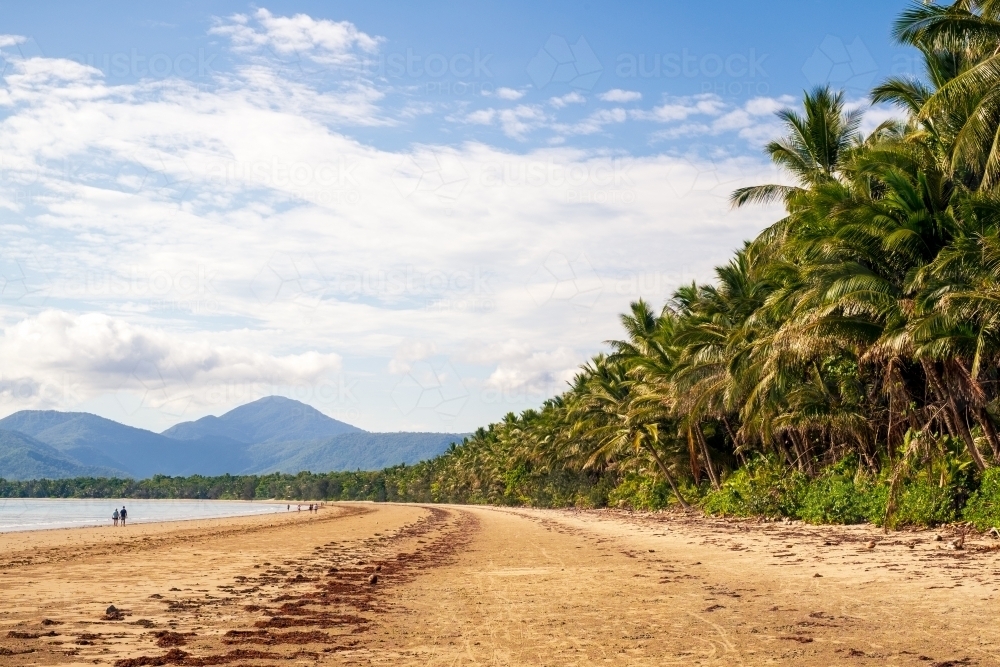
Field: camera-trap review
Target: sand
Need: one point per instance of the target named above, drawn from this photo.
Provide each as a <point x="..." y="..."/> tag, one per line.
<point x="363" y="584"/>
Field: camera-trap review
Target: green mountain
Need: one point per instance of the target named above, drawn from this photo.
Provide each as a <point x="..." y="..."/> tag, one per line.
<point x="349" y="451"/>
<point x="269" y="419"/>
<point x="268" y="435"/>
<point x="23" y="457"/>
<point x="96" y="441"/>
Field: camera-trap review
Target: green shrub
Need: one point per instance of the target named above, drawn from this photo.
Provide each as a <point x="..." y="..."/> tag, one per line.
<point x="641" y="492"/>
<point x="922" y="503"/>
<point x="983" y="507"/>
<point x="763" y="488"/>
<point x="833" y="497"/>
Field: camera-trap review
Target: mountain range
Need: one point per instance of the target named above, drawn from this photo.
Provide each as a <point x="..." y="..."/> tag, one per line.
<point x="273" y="434"/>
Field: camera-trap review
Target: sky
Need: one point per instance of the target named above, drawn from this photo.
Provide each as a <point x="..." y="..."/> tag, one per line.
<point x="411" y="218"/>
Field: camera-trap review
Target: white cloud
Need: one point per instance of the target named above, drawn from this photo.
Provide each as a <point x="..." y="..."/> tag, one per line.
<point x="509" y="94"/>
<point x="520" y="120"/>
<point x="535" y="373"/>
<point x="567" y="99"/>
<point x="56" y="357"/>
<point x="515" y="122"/>
<point x="11" y="40"/>
<point x="595" y="122"/>
<point x="481" y="117"/>
<point x="408" y="352"/>
<point x="330" y="42"/>
<point x="619" y="95"/>
<point x="681" y="108"/>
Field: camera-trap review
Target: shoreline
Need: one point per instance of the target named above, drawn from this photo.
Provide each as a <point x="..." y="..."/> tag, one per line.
<point x="94" y="522"/>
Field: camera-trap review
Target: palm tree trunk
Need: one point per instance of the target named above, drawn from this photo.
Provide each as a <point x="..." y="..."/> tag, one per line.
<point x="952" y="416"/>
<point x="707" y="456"/>
<point x="802" y="445"/>
<point x="668" y="477"/>
<point x="986" y="422"/>
<point x="782" y="448"/>
<point x="736" y="447"/>
<point x="795" y="448"/>
<point x="693" y="456"/>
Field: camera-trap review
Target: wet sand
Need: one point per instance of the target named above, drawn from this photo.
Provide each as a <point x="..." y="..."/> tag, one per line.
<point x="364" y="584"/>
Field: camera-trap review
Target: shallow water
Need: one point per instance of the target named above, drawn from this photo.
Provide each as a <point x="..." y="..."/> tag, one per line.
<point x="41" y="513"/>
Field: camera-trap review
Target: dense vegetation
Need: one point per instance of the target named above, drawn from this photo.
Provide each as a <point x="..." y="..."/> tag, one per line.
<point x="843" y="365"/>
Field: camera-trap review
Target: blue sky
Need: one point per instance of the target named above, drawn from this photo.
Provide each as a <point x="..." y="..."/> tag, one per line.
<point x="410" y="217"/>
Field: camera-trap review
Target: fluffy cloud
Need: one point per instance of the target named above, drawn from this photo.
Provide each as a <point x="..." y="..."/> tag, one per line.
<point x="567" y="99"/>
<point x="619" y="95"/>
<point x="595" y="122"/>
<point x="329" y="42"/>
<point x="509" y="94"/>
<point x="57" y="358"/>
<point x="522" y="372"/>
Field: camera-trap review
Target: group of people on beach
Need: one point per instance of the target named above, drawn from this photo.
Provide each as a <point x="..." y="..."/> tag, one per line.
<point x="312" y="508"/>
<point x="119" y="516"/>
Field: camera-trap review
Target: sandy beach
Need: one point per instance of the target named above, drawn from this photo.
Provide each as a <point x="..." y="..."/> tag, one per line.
<point x="443" y="585"/>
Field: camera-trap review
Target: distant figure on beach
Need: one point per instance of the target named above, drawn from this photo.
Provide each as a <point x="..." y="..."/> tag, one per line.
<point x="123" y="514"/>
<point x="300" y="508"/>
<point x="114" y="517"/>
<point x="288" y="507"/>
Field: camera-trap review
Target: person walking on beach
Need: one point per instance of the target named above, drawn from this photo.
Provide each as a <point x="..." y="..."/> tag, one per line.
<point x="124" y="513"/>
<point x="114" y="517"/>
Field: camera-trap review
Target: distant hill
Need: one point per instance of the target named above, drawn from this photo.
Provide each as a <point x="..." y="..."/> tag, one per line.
<point x="273" y="434"/>
<point x="273" y="418"/>
<point x="350" y="451"/>
<point x="23" y="457"/>
<point x="96" y="441"/>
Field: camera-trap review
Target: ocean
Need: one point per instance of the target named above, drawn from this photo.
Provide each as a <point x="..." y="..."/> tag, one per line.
<point x="18" y="514"/>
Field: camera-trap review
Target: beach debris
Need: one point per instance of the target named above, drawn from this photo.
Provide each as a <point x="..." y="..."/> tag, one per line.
<point x="994" y="533"/>
<point x="166" y="638"/>
<point x="938" y="538"/>
<point x="49" y="621"/>
<point x="373" y="579"/>
<point x="817" y="575"/>
<point x="378" y="568"/>
<point x="958" y="544"/>
<point x="870" y="545"/>
<point x="113" y="613"/>
<point x="15" y="634"/>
